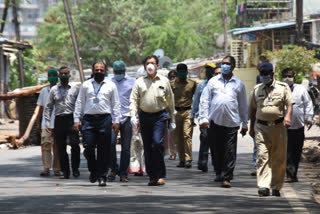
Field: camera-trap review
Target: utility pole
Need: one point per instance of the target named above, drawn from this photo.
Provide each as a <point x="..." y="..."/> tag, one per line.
<point x="17" y="30"/>
<point x="225" y="24"/>
<point x="74" y="39"/>
<point x="299" y="22"/>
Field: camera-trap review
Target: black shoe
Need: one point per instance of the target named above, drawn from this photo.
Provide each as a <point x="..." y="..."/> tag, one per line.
<point x="275" y="193"/>
<point x="218" y="178"/>
<point x="253" y="173"/>
<point x="102" y="182"/>
<point x="112" y="176"/>
<point x="93" y="177"/>
<point x="181" y="164"/>
<point x="188" y="165"/>
<point x="76" y="173"/>
<point x="64" y="177"/>
<point x="203" y="168"/>
<point x="153" y="183"/>
<point x="263" y="192"/>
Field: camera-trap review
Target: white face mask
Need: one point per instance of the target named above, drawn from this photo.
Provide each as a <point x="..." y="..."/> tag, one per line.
<point x="151" y="69"/>
<point x="288" y="80"/>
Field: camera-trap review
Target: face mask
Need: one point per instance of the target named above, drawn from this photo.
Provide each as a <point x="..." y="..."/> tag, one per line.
<point x="98" y="77"/>
<point x="151" y="69"/>
<point x="171" y="80"/>
<point x="53" y="80"/>
<point x="265" y="79"/>
<point x="288" y="80"/>
<point x="119" y="77"/>
<point x="64" y="79"/>
<point x="225" y="69"/>
<point x="182" y="75"/>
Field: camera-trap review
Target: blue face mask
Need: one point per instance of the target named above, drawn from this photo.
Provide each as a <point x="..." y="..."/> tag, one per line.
<point x="119" y="77"/>
<point x="225" y="69"/>
<point x="265" y="79"/>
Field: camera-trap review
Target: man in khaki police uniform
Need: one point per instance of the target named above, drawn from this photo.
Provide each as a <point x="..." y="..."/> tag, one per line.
<point x="183" y="89"/>
<point x="269" y="125"/>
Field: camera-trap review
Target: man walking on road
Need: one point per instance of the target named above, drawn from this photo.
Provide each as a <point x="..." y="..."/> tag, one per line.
<point x="124" y="86"/>
<point x="268" y="125"/>
<point x="302" y="114"/>
<point x="99" y="102"/>
<point x="211" y="70"/>
<point x="63" y="97"/>
<point x="48" y="143"/>
<point x="183" y="89"/>
<point x="152" y="98"/>
<point x="223" y="107"/>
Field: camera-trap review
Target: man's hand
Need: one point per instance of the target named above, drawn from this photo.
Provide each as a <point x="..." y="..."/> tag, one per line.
<point x="172" y="126"/>
<point x="309" y="125"/>
<point x="243" y="131"/>
<point x="204" y="125"/>
<point x="115" y="127"/>
<point x="287" y="121"/>
<point x="49" y="130"/>
<point x="193" y="124"/>
<point x="252" y="132"/>
<point x="76" y="126"/>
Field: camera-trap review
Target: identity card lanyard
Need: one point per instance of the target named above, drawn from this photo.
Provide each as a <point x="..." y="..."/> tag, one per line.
<point x="96" y="99"/>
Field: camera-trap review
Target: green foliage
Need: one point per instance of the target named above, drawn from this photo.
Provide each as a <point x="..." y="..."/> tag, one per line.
<point x="110" y="30"/>
<point x="295" y="57"/>
<point x="32" y="67"/>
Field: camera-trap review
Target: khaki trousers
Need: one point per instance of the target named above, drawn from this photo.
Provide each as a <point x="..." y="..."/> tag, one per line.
<point x="272" y="155"/>
<point x="183" y="135"/>
<point x="48" y="146"/>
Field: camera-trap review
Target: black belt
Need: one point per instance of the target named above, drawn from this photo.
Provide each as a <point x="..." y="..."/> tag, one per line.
<point x="64" y="115"/>
<point x="270" y="123"/>
<point x="152" y="113"/>
<point x="182" y="108"/>
<point x="95" y="115"/>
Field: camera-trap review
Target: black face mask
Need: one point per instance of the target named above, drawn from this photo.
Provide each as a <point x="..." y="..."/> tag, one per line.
<point x="64" y="79"/>
<point x="98" y="77"/>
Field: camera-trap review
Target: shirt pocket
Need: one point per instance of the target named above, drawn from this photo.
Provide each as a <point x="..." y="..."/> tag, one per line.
<point x="277" y="100"/>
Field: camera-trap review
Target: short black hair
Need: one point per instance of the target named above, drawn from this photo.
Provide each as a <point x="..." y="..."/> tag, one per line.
<point x="63" y="67"/>
<point x="99" y="62"/>
<point x="286" y="70"/>
<point x="150" y="57"/>
<point x="232" y="61"/>
<point x="172" y="72"/>
<point x="182" y="67"/>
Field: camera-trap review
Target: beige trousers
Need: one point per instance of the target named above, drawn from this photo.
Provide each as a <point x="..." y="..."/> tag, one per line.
<point x="272" y="155"/>
<point x="183" y="135"/>
<point x="48" y="146"/>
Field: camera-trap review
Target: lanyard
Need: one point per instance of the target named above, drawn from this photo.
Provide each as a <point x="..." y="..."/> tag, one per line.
<point x="94" y="90"/>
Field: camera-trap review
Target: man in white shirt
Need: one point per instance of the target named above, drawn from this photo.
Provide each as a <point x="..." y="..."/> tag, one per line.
<point x="223" y="107"/>
<point x="48" y="144"/>
<point x="302" y="114"/>
<point x="99" y="102"/>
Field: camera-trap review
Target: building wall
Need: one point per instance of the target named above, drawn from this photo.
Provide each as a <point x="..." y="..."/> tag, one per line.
<point x="248" y="76"/>
<point x="309" y="7"/>
<point x="316" y="32"/>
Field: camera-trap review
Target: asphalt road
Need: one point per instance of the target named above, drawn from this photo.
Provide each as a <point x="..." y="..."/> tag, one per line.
<point x="22" y="190"/>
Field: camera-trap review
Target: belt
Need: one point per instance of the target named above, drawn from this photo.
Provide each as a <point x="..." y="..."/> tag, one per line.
<point x="95" y="115"/>
<point x="183" y="108"/>
<point x="270" y="123"/>
<point x="152" y="113"/>
<point x="64" y="115"/>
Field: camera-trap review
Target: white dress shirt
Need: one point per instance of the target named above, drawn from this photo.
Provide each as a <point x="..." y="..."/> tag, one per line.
<point x="124" y="88"/>
<point x="42" y="101"/>
<point x="224" y="102"/>
<point x="302" y="109"/>
<point x="95" y="98"/>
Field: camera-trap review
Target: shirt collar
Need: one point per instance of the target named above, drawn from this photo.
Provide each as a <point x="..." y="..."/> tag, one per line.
<point x="60" y="85"/>
<point x="104" y="80"/>
<point x="271" y="86"/>
<point x="156" y="77"/>
<point x="233" y="78"/>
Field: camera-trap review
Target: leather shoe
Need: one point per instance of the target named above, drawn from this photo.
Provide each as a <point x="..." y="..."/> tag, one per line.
<point x="112" y="176"/>
<point x="76" y="173"/>
<point x="263" y="192"/>
<point x="188" y="165"/>
<point x="181" y="164"/>
<point x="226" y="184"/>
<point x="291" y="180"/>
<point x="276" y="192"/>
<point x="92" y="177"/>
<point x="203" y="168"/>
<point x="124" y="179"/>
<point x="218" y="178"/>
<point x="253" y="173"/>
<point x="153" y="183"/>
<point x="45" y="173"/>
<point x="102" y="182"/>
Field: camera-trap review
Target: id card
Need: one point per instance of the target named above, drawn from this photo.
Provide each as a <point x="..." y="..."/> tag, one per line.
<point x="96" y="100"/>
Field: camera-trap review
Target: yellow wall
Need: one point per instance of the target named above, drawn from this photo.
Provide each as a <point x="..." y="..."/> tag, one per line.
<point x="248" y="76"/>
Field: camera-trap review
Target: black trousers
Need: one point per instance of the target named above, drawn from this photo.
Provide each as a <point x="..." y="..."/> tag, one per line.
<point x="63" y="128"/>
<point x="223" y="140"/>
<point x="153" y="127"/>
<point x="294" y="150"/>
<point x="204" y="149"/>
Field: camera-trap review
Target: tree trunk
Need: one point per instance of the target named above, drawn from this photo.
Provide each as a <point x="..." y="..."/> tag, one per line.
<point x="299" y="22"/>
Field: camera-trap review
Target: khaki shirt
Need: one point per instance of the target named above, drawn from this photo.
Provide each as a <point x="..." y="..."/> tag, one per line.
<point x="183" y="92"/>
<point x="152" y="96"/>
<point x="270" y="102"/>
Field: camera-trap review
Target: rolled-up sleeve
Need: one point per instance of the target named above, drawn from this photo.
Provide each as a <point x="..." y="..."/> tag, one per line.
<point x="204" y="105"/>
<point x="243" y="106"/>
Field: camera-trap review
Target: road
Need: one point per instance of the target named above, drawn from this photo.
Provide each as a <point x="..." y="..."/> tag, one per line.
<point x="22" y="190"/>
